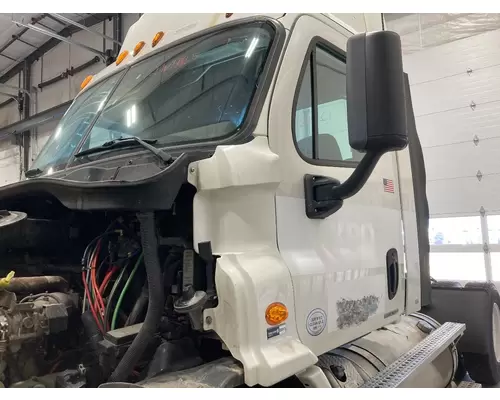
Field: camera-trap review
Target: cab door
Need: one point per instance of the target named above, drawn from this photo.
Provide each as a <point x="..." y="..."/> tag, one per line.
<point x="347" y="268"/>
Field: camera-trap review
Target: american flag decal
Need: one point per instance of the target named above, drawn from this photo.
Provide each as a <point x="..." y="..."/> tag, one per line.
<point x="388" y="185"/>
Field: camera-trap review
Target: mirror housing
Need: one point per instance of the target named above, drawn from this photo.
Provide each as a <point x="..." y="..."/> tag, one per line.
<point x="376" y="117"/>
<point x="376" y="111"/>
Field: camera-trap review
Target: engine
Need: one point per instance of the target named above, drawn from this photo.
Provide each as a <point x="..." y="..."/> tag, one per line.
<point x="94" y="298"/>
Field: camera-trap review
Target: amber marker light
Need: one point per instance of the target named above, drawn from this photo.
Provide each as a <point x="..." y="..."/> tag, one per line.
<point x="138" y="47"/>
<point x="276" y="313"/>
<point x="157" y="38"/>
<point x="123" y="55"/>
<point x="86" y="81"/>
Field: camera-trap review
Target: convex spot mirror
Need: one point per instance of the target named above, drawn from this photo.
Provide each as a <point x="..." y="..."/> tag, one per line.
<point x="376" y="109"/>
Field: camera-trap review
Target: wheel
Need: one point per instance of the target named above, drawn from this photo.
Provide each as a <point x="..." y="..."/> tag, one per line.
<point x="484" y="367"/>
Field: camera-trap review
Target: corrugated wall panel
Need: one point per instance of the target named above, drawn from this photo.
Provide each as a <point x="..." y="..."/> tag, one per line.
<point x="460" y="125"/>
<point x="9" y="163"/>
<point x="442" y="92"/>
<point x="482" y="86"/>
<point x="463" y="160"/>
<point x="476" y="52"/>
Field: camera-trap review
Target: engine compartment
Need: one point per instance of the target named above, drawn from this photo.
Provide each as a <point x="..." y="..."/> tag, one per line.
<point x="101" y="296"/>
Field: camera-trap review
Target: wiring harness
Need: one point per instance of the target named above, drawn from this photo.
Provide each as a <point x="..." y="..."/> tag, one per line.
<point x="106" y="278"/>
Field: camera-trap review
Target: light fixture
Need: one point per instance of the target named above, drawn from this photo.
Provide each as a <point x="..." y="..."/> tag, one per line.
<point x="86" y="81"/>
<point x="138" y="47"/>
<point x="276" y="313"/>
<point x="157" y="38"/>
<point x="121" y="57"/>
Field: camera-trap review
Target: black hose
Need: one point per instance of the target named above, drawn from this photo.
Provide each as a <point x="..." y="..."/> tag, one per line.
<point x="139" y="306"/>
<point x="170" y="267"/>
<point x="92" y="331"/>
<point x="156" y="300"/>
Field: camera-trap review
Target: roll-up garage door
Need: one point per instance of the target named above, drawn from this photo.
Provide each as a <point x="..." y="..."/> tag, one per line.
<point x="456" y="97"/>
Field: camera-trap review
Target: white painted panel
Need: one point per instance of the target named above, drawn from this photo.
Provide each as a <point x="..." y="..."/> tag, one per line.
<point x="460" y="125"/>
<point x="55" y="62"/>
<point x="464" y="196"/>
<point x="457" y="91"/>
<point x="463" y="159"/>
<point x="475" y="52"/>
<point x="453" y="196"/>
<point x="9" y="114"/>
<point x="9" y="163"/>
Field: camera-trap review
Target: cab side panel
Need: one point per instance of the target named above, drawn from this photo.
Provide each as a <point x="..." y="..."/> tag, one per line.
<point x="338" y="264"/>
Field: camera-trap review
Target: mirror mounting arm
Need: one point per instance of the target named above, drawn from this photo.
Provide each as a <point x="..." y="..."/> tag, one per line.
<point x="324" y="196"/>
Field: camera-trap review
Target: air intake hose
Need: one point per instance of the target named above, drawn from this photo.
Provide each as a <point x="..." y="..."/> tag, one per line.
<point x="156" y="300"/>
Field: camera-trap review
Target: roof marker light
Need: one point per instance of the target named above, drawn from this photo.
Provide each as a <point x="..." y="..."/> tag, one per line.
<point x="121" y="57"/>
<point x="86" y="81"/>
<point x="157" y="38"/>
<point x="138" y="47"/>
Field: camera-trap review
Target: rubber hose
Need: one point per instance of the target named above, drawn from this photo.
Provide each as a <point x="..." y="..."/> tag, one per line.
<point x="91" y="331"/>
<point x="139" y="306"/>
<point x="142" y="300"/>
<point x="38" y="284"/>
<point x="156" y="300"/>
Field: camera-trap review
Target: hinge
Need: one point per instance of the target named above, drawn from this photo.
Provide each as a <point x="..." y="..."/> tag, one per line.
<point x="475" y="140"/>
<point x="472" y="105"/>
<point x="469" y="71"/>
<point x="482" y="211"/>
<point x="479" y="175"/>
<point x="486" y="248"/>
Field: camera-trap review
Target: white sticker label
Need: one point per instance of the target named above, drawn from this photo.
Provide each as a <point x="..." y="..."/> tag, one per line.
<point x="316" y="322"/>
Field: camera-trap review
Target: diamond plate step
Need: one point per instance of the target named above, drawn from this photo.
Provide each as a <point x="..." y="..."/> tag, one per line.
<point x="419" y="356"/>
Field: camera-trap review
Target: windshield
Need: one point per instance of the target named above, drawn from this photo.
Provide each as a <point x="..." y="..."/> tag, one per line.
<point x="199" y="91"/>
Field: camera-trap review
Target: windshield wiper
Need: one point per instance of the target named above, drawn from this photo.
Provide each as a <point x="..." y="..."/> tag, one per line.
<point x="129" y="141"/>
<point x="32" y="173"/>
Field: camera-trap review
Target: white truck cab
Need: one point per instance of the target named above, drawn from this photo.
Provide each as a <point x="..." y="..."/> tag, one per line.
<point x="298" y="139"/>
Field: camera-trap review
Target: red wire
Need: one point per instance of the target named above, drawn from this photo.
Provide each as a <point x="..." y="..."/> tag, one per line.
<point x="99" y="300"/>
<point x="106" y="279"/>
<point x="92" y="309"/>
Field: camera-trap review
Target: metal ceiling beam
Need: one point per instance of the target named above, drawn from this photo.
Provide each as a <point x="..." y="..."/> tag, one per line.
<point x="22" y="32"/>
<point x="83" y="27"/>
<point x="55" y="19"/>
<point x="16" y="37"/>
<point x="50" y="44"/>
<point x="62" y="38"/>
<point x="117" y="32"/>
<point x="43" y="25"/>
<point x="8" y="57"/>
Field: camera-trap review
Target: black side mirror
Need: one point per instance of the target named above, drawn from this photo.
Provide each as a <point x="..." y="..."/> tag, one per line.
<point x="376" y="108"/>
<point x="376" y="116"/>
